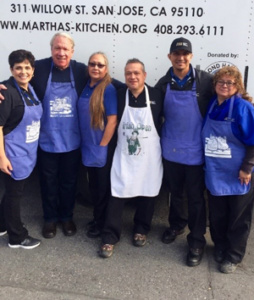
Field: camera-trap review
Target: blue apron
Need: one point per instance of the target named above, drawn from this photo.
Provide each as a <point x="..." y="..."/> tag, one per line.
<point x="22" y="142"/>
<point x="224" y="155"/>
<point x="93" y="155"/>
<point x="59" y="123"/>
<point x="181" y="132"/>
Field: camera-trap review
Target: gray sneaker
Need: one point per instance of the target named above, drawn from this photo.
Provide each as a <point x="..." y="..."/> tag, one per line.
<point x="139" y="240"/>
<point x="227" y="267"/>
<point x="106" y="250"/>
<point x="28" y="243"/>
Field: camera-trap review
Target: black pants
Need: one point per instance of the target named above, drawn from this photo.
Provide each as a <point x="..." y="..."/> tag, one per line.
<point x="190" y="179"/>
<point x="10" y="218"/>
<point x="142" y="220"/>
<point x="58" y="179"/>
<point x="99" y="185"/>
<point x="230" y="222"/>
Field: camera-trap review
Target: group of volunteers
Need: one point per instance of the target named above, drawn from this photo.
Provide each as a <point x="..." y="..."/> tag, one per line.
<point x="193" y="129"/>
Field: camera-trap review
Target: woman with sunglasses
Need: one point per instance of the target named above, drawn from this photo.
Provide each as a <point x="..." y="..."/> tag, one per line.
<point x="97" y="108"/>
<point x="20" y="116"/>
<point x="228" y="138"/>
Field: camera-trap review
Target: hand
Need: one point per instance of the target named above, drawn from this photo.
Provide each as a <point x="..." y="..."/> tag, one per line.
<point x="2" y="87"/>
<point x="244" y="177"/>
<point x="5" y="165"/>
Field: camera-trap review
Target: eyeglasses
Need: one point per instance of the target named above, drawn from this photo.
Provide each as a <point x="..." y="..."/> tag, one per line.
<point x="93" y="65"/>
<point x="228" y="83"/>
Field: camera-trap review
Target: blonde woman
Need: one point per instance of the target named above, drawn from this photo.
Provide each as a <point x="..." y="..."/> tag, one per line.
<point x="97" y="108"/>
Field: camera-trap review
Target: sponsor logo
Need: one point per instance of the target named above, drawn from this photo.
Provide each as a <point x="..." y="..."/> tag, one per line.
<point x="214" y="67"/>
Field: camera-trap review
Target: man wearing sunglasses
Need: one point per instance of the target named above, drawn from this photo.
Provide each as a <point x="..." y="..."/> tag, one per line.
<point x="187" y="93"/>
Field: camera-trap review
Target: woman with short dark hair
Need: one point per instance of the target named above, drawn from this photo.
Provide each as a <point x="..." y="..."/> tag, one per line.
<point x="20" y="115"/>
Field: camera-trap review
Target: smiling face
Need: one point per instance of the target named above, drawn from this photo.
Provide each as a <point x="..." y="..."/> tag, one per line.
<point x="97" y="67"/>
<point x="135" y="77"/>
<point x="180" y="60"/>
<point x="23" y="73"/>
<point x="62" y="51"/>
<point x="225" y="87"/>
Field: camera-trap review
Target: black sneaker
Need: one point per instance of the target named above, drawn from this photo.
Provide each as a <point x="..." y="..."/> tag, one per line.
<point x="94" y="231"/>
<point x="90" y="224"/>
<point x="194" y="256"/>
<point x="219" y="255"/>
<point x="170" y="235"/>
<point x="3" y="233"/>
<point x="28" y="243"/>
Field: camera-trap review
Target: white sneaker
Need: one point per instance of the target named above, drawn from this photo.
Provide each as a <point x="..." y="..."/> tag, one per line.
<point x="3" y="233"/>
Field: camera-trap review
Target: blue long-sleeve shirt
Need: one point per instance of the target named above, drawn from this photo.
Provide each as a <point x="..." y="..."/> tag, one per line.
<point x="242" y="125"/>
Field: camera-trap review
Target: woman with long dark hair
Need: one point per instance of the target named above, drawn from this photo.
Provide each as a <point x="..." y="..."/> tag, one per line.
<point x="97" y="109"/>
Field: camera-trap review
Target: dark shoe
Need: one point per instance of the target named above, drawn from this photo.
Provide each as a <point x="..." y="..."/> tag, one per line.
<point x="106" y="250"/>
<point x="194" y="256"/>
<point x="90" y="224"/>
<point x="219" y="255"/>
<point x="227" y="267"/>
<point x="49" y="230"/>
<point x="3" y="233"/>
<point x="28" y="243"/>
<point x="94" y="231"/>
<point x="139" y="240"/>
<point x="69" y="228"/>
<point x="170" y="235"/>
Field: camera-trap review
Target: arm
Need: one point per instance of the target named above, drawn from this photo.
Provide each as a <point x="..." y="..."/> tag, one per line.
<point x="118" y="84"/>
<point x="110" y="105"/>
<point x="109" y="130"/>
<point x="2" y="87"/>
<point x="242" y="128"/>
<point x="247" y="166"/>
<point x="163" y="82"/>
<point x="5" y="165"/>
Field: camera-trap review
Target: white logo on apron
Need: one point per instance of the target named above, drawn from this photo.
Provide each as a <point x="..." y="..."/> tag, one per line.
<point x="216" y="146"/>
<point x="61" y="107"/>
<point x="32" y="132"/>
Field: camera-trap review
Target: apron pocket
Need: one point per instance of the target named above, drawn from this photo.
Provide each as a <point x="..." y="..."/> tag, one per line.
<point x="94" y="155"/>
<point x="22" y="166"/>
<point x="220" y="183"/>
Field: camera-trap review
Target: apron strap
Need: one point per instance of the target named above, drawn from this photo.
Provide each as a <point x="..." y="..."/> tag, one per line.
<point x="146" y="93"/>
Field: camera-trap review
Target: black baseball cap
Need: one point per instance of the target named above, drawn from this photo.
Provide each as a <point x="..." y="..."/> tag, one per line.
<point x="180" y="44"/>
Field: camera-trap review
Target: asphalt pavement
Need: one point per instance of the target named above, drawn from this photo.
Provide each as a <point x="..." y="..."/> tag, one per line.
<point x="69" y="268"/>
